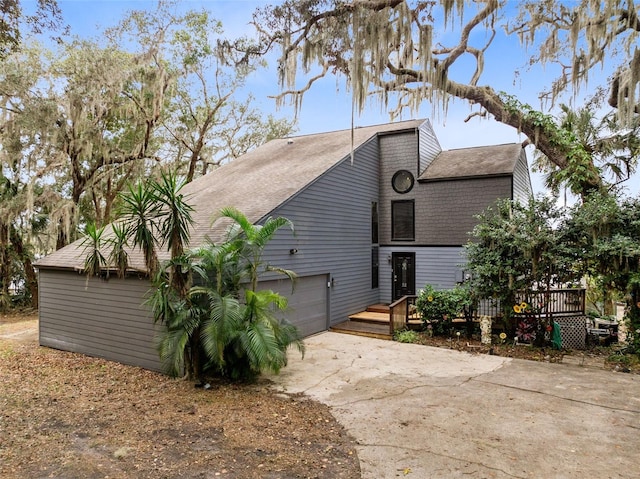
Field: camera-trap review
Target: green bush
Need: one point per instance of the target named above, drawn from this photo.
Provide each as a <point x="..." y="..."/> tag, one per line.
<point x="440" y="307"/>
<point x="405" y="336"/>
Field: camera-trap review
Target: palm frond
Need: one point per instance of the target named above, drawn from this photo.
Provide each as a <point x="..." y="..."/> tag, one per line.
<point x="263" y="348"/>
<point x="240" y="220"/>
<point x="174" y="341"/>
<point x="270" y="227"/>
<point x="285" y="272"/>
<point x="221" y="326"/>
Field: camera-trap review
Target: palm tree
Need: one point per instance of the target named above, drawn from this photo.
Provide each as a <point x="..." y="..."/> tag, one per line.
<point x="239" y="336"/>
<point x="237" y="327"/>
<point x="252" y="240"/>
<point x="263" y="340"/>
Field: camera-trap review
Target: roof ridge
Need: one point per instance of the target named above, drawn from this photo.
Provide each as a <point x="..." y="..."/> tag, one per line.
<point x="483" y="146"/>
<point x="379" y="125"/>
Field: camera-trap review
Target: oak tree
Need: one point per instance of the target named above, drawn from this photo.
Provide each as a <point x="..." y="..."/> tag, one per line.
<point x="408" y="52"/>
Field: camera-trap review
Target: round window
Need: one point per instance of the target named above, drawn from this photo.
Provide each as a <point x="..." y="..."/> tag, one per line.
<point x="402" y="181"/>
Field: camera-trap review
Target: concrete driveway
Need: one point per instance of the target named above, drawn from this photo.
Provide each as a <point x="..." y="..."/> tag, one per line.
<point x="423" y="412"/>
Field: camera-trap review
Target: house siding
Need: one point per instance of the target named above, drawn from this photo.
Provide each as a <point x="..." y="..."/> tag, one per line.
<point x="439" y="266"/>
<point x="522" y="189"/>
<point x="446" y="209"/>
<point x="332" y="219"/>
<point x="428" y="146"/>
<point x="397" y="152"/>
<point x="97" y="317"/>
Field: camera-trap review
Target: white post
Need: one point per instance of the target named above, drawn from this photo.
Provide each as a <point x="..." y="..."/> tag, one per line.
<point x="622" y="327"/>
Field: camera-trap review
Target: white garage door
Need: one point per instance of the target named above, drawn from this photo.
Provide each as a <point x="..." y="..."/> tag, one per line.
<point x="307" y="306"/>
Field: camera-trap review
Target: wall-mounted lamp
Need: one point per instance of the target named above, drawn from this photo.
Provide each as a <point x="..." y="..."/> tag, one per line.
<point x="389" y="259"/>
<point x="293" y="251"/>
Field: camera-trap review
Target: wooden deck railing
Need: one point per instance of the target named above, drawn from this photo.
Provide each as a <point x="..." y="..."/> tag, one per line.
<point x="552" y="303"/>
<point x="555" y="302"/>
<point x="400" y="311"/>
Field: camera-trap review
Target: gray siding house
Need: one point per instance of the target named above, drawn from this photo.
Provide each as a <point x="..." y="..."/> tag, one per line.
<point x="378" y="212"/>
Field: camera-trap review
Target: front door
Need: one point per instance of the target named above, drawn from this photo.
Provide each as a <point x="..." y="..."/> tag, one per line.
<point x="404" y="274"/>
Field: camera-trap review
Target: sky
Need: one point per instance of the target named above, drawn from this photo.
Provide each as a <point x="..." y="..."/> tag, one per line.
<point x="324" y="108"/>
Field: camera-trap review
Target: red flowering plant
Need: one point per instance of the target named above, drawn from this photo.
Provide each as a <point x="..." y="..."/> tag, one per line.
<point x="531" y="324"/>
<point x="527" y="323"/>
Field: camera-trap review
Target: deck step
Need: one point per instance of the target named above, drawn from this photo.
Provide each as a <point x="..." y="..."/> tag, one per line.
<point x="370" y="317"/>
<point x="378" y="308"/>
<point x="361" y="328"/>
<point x="380" y="318"/>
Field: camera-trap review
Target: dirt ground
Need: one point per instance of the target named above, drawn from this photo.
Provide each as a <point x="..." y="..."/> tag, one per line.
<point x="596" y="356"/>
<point x="65" y="415"/>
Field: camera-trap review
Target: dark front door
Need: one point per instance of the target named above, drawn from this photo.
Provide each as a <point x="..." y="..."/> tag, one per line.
<point x="404" y="274"/>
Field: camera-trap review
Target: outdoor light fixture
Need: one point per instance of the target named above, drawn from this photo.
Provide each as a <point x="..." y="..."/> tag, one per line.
<point x="293" y="251"/>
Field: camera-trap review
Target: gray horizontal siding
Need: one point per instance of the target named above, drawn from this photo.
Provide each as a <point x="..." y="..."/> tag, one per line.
<point x="522" y="189"/>
<point x="438" y="266"/>
<point x="445" y="210"/>
<point x="102" y="318"/>
<point x="429" y="147"/>
<point x="332" y="219"/>
<point x="398" y="152"/>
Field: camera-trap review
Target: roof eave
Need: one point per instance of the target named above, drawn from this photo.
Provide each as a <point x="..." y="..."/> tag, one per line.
<point x="466" y="177"/>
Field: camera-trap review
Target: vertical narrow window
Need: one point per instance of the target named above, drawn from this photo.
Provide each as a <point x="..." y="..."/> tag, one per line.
<point x="375" y="266"/>
<point x="402" y="220"/>
<point x="374" y="222"/>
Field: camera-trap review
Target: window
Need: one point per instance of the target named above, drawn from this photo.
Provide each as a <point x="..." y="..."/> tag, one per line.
<point x="402" y="181"/>
<point x="374" y="222"/>
<point x="375" y="267"/>
<point x="402" y="221"/>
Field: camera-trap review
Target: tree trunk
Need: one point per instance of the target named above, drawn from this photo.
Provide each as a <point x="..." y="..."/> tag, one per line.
<point x="31" y="278"/>
<point x="5" y="267"/>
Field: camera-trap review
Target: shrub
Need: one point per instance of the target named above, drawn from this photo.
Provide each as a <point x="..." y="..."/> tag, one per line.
<point x="440" y="307"/>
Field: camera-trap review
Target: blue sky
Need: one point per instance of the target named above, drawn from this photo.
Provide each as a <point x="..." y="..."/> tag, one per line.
<point x="324" y="109"/>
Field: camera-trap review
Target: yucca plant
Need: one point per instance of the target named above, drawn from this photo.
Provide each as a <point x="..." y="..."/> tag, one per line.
<point x="140" y="210"/>
<point x="119" y="257"/>
<point x="93" y="242"/>
<point x="173" y="222"/>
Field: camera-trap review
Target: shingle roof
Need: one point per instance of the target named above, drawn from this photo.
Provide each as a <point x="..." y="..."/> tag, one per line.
<point x="473" y="162"/>
<point x="255" y="184"/>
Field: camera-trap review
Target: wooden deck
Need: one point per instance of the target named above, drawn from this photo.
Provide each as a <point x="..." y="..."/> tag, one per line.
<point x="372" y="323"/>
<point x="375" y="321"/>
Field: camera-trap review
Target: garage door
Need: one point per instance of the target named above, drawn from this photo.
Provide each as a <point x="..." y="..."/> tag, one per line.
<point x="307" y="306"/>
